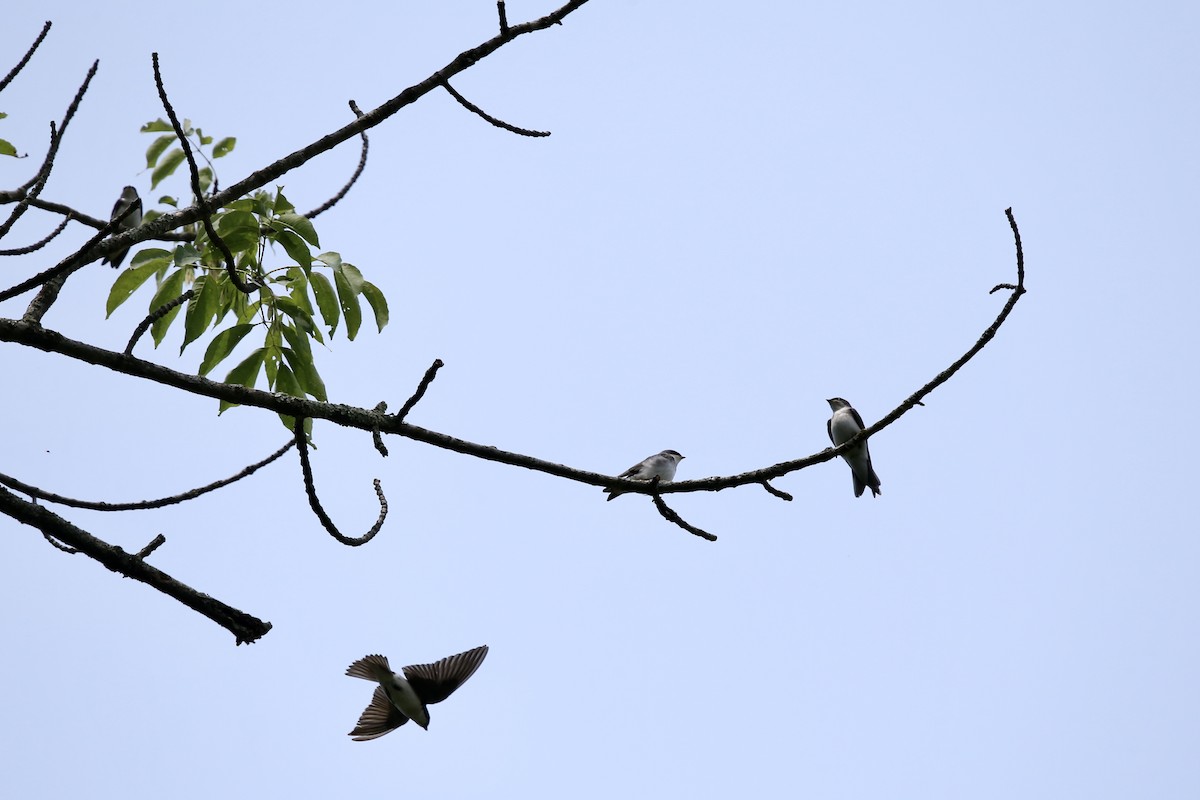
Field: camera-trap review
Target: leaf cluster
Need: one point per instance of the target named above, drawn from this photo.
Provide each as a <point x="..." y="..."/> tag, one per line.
<point x="276" y="251"/>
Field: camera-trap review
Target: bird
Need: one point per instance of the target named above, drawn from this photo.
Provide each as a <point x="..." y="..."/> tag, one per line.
<point x="660" y="465"/>
<point x="844" y="424"/>
<point x="127" y="213"/>
<point x="401" y="697"/>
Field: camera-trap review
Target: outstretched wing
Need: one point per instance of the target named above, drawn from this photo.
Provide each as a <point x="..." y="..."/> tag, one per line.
<point x="379" y="718"/>
<point x="370" y="668"/>
<point x="435" y="682"/>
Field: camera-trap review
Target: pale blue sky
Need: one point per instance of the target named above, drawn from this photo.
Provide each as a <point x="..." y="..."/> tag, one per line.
<point x="743" y="209"/>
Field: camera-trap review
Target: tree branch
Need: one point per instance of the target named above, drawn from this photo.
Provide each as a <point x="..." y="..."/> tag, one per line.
<point x="243" y="626"/>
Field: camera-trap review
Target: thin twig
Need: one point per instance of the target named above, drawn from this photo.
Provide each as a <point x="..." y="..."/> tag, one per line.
<point x="427" y="379"/>
<point x="25" y="59"/>
<point x="142" y="505"/>
<point x="362" y="164"/>
<point x="499" y="123"/>
<point x="21" y="251"/>
<point x="155" y="543"/>
<point x="376" y="436"/>
<point x="155" y="316"/>
<point x="670" y="515"/>
<point x="782" y="495"/>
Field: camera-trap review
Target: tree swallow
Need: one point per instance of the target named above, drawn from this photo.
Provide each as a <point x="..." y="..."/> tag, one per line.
<point x="399" y="698"/>
<point x="661" y="465"/>
<point x="129" y="220"/>
<point x="844" y="424"/>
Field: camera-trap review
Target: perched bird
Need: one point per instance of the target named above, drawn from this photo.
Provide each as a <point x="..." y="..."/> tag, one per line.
<point x="661" y="465"/>
<point x="844" y="424"/>
<point x="128" y="210"/>
<point x="399" y="698"/>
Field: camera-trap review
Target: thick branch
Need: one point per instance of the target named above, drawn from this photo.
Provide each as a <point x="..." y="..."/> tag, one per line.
<point x="243" y="626"/>
<point x="256" y="180"/>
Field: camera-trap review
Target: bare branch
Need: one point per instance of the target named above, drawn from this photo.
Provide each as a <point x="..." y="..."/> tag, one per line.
<point x="156" y="315"/>
<point x="782" y="495"/>
<point x="376" y="436"/>
<point x="670" y="515"/>
<point x="155" y="543"/>
<point x="503" y="17"/>
<point x="499" y="123"/>
<point x="141" y="505"/>
<point x="311" y="490"/>
<point x="362" y="164"/>
<point x="28" y="55"/>
<point x="427" y="379"/>
<point x="21" y="251"/>
<point x="243" y="626"/>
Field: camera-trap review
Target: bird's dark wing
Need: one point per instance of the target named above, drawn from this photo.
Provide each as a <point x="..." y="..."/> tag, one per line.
<point x="435" y="682"/>
<point x="829" y="429"/>
<point x="380" y="717"/>
<point x="857" y="418"/>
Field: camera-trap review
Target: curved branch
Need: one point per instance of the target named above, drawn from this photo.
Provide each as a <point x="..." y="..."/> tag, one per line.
<point x="362" y="164"/>
<point x="21" y="251"/>
<point x="314" y="502"/>
<point x="499" y="123"/>
<point x="243" y="626"/>
<point x="141" y="505"/>
<point x="347" y="416"/>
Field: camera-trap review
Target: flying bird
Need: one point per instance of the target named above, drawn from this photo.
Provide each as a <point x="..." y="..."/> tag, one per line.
<point x="844" y="424"/>
<point x="399" y="698"/>
<point x="128" y="210"/>
<point x="660" y="465"/>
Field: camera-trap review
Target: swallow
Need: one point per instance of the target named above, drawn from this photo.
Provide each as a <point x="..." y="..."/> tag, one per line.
<point x="127" y="213"/>
<point x="401" y="697"/>
<point x="844" y="424"/>
<point x="660" y="465"/>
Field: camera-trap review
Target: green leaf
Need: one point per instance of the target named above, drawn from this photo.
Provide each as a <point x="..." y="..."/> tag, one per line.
<point x="330" y="259"/>
<point x="166" y="167"/>
<point x="353" y="276"/>
<point x="157" y="126"/>
<point x="128" y="281"/>
<point x="224" y="147"/>
<point x="168" y="290"/>
<point x="290" y="307"/>
<point x="6" y="148"/>
<point x="301" y="225"/>
<point x="155" y="150"/>
<point x="239" y="230"/>
<point x="244" y="374"/>
<point x="326" y="300"/>
<point x="298" y="340"/>
<point x="185" y="255"/>
<point x="378" y="303"/>
<point x="221" y="346"/>
<point x="282" y="204"/>
<point x="305" y="372"/>
<point x="348" y="299"/>
<point x="201" y="309"/>
<point x="296" y="248"/>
